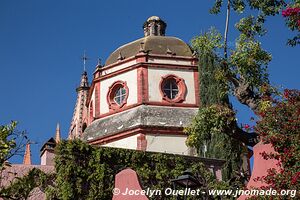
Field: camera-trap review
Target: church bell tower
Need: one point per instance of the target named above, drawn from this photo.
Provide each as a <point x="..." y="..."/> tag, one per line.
<point x="79" y="120"/>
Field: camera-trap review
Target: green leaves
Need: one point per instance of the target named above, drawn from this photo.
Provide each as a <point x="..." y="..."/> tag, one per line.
<point x="207" y="43"/>
<point x="217" y="7"/>
<point x="22" y="186"/>
<point x="213" y="87"/>
<point x="280" y="126"/>
<point x="238" y="5"/>
<point x="211" y="120"/>
<point x="249" y="61"/>
<point x="87" y="172"/>
<point x="207" y="133"/>
<point x="251" y="26"/>
<point x="8" y="142"/>
<point x="267" y="7"/>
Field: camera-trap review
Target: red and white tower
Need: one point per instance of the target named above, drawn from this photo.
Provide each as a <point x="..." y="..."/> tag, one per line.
<point x="143" y="96"/>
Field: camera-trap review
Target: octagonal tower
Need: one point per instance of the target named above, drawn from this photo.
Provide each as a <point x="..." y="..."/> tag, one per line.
<point x="145" y="94"/>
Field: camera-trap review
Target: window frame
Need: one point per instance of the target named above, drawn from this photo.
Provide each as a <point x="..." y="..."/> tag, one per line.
<point x="182" y="90"/>
<point x="112" y="104"/>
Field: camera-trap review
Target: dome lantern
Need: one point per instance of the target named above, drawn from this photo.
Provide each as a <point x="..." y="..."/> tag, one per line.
<point x="154" y="26"/>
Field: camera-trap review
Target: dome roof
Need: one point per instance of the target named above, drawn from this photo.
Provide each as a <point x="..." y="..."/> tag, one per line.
<point x="153" y="18"/>
<point x="162" y="45"/>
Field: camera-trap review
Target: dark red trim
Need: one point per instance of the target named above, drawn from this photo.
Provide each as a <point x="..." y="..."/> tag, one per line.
<point x="173" y="57"/>
<point x="197" y="88"/>
<point x="111" y="94"/>
<point x="142" y="84"/>
<point x="181" y="89"/>
<point x="146" y="85"/>
<point x="118" y="63"/>
<point x="90" y="92"/>
<point x="142" y="77"/>
<point x="97" y="99"/>
<point x="141" y="57"/>
<point x="141" y="142"/>
<point x="153" y="65"/>
<point x="91" y="112"/>
<point x="115" y="137"/>
<point x="192" y="59"/>
<point x="172" y="66"/>
<point x="138" y="130"/>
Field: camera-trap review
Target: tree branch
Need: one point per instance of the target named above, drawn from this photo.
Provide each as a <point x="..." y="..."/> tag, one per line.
<point x="245" y="95"/>
<point x="226" y="29"/>
<point x="249" y="139"/>
<point x="242" y="90"/>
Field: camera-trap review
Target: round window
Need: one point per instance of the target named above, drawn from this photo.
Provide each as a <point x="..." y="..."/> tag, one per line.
<point x="117" y="95"/>
<point x="173" y="89"/>
<point x="120" y="95"/>
<point x="170" y="88"/>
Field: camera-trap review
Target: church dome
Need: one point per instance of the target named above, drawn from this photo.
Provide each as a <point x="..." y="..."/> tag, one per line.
<point x="154" y="42"/>
<point x="161" y="45"/>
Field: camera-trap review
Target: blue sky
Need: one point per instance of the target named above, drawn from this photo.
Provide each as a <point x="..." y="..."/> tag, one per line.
<point x="41" y="43"/>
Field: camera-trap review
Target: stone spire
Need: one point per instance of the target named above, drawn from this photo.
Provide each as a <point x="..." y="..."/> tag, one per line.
<point x="27" y="155"/>
<point x="57" y="134"/>
<point x="154" y="26"/>
<point x="79" y="119"/>
<point x="84" y="81"/>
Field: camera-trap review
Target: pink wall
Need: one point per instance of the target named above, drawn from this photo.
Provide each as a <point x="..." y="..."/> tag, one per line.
<point x="260" y="166"/>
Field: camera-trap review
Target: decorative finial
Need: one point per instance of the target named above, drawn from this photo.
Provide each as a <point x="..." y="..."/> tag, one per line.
<point x="169" y="52"/>
<point x="99" y="62"/>
<point x="195" y="54"/>
<point x="27" y="155"/>
<point x="120" y="57"/>
<point x="142" y="48"/>
<point x="84" y="58"/>
<point x="57" y="134"/>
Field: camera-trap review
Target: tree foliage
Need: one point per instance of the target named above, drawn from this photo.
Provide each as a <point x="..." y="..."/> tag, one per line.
<point x="280" y="126"/>
<point x="207" y="130"/>
<point x="241" y="72"/>
<point x="292" y="17"/>
<point x="22" y="187"/>
<point x="11" y="142"/>
<point x="87" y="172"/>
<point x="290" y="11"/>
<point x="207" y="134"/>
